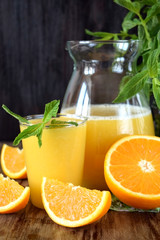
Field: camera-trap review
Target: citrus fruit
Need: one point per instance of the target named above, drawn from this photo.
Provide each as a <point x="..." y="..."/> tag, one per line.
<point x="12" y="162"/>
<point x="73" y="206"/>
<point x="132" y="171"/>
<point x="14" y="197"/>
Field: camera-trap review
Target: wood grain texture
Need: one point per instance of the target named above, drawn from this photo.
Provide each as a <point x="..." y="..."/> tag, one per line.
<point x="35" y="224"/>
<point x="34" y="66"/>
<point x="32" y="223"/>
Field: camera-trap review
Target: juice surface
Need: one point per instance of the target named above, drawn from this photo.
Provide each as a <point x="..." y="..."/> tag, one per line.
<point x="61" y="156"/>
<point x="105" y="125"/>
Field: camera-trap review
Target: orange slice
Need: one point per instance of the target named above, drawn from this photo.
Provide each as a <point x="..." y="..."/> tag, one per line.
<point x="13" y="196"/>
<point x="73" y="206"/>
<point x="132" y="171"/>
<point x="12" y="162"/>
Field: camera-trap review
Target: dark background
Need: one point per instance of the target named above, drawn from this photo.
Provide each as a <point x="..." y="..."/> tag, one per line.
<point x="35" y="68"/>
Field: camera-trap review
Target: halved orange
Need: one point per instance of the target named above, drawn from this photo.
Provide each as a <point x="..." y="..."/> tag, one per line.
<point x="132" y="171"/>
<point x="12" y="162"/>
<point x="13" y="196"/>
<point x="73" y="206"/>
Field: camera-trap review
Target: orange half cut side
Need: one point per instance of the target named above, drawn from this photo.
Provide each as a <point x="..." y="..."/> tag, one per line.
<point x="132" y="171"/>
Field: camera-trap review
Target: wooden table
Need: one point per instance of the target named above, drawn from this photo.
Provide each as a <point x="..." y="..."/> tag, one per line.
<point x="34" y="224"/>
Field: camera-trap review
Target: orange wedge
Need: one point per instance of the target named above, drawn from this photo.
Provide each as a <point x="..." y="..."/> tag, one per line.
<point x="132" y="171"/>
<point x="13" y="196"/>
<point x="12" y="162"/>
<point x="73" y="206"/>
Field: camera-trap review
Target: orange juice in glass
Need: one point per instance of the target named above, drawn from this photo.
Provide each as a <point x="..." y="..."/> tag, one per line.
<point x="61" y="155"/>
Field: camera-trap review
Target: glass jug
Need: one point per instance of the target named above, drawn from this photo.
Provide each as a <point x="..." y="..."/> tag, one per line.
<point x="98" y="70"/>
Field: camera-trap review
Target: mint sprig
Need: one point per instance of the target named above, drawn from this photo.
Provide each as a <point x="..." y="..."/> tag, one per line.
<point x="55" y="123"/>
<point x="34" y="130"/>
<point x="144" y="17"/>
<point x="51" y="110"/>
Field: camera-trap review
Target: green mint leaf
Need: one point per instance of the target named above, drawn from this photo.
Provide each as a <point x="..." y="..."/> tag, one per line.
<point x="115" y="37"/>
<point x="149" y="2"/>
<point x="51" y="110"/>
<point x="32" y="130"/>
<point x="59" y="125"/>
<point x="21" y="119"/>
<point x="159" y="68"/>
<point x="129" y="16"/>
<point x="124" y="80"/>
<point x="133" y="86"/>
<point x="55" y="122"/>
<point x="153" y="26"/>
<point x="131" y="6"/>
<point x="97" y="34"/>
<point x="129" y="24"/>
<point x="148" y="88"/>
<point x="39" y="134"/>
<point x="103" y="35"/>
<point x="154" y="10"/>
<point x="141" y="33"/>
<point x="158" y="37"/>
<point x="152" y="63"/>
<point x="156" y="91"/>
<point x="108" y="37"/>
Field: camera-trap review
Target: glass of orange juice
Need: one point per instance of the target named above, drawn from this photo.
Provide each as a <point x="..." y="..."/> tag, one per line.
<point x="61" y="155"/>
<point x="100" y="68"/>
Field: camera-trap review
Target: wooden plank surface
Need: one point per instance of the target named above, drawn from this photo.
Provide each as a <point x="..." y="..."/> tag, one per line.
<point x="34" y="224"/>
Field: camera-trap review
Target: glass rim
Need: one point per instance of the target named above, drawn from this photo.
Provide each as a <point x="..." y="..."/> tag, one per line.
<point x="40" y="116"/>
<point x="103" y="41"/>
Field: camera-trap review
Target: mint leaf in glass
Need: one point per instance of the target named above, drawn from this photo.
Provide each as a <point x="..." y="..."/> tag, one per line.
<point x="55" y="123"/>
<point x="51" y="110"/>
<point x="33" y="130"/>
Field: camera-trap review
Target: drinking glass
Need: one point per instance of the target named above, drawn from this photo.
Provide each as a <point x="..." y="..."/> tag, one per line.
<point x="61" y="155"/>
